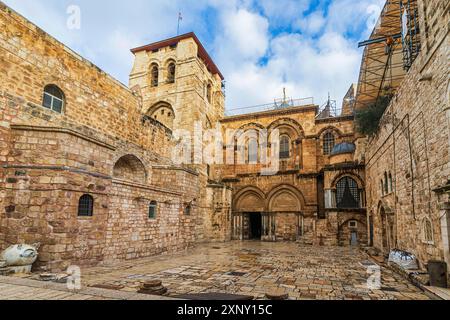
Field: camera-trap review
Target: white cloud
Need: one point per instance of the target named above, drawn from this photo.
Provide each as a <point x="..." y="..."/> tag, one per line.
<point x="246" y="34"/>
<point x="320" y="55"/>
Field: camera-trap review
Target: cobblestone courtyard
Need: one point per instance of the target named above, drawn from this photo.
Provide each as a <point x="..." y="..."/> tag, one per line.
<point x="255" y="268"/>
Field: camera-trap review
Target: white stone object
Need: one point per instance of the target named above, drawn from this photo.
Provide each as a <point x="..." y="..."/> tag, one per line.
<point x="19" y="255"/>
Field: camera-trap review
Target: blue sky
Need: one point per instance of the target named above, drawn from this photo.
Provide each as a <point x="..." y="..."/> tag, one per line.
<point x="307" y="46"/>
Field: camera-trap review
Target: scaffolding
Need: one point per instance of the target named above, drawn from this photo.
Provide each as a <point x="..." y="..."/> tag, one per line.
<point x="389" y="53"/>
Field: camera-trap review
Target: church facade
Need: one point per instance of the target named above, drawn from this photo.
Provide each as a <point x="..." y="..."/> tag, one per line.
<point x="88" y="166"/>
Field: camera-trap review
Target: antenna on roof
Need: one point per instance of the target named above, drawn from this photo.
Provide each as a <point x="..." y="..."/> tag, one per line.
<point x="180" y="18"/>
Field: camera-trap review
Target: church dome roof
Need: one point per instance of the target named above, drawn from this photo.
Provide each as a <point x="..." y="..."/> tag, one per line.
<point x="344" y="147"/>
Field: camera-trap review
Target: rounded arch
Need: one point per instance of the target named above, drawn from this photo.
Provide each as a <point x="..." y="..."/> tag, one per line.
<point x="170" y="66"/>
<point x="129" y="167"/>
<point x="154" y="74"/>
<point x="337" y="132"/>
<point x="285" y="198"/>
<point x="250" y="199"/>
<point x="353" y="176"/>
<point x="162" y="112"/>
<point x="287" y="126"/>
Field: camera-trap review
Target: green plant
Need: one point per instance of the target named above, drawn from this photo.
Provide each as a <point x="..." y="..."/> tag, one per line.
<point x="367" y="119"/>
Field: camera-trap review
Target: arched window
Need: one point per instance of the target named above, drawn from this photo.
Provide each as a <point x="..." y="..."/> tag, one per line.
<point x="252" y="147"/>
<point x="427" y="230"/>
<point x="285" y="152"/>
<point x="382" y="187"/>
<point x="391" y="188"/>
<point x="171" y="72"/>
<point x="152" y="210"/>
<point x="154" y="70"/>
<point x="53" y="98"/>
<point x="209" y="92"/>
<point x="347" y="193"/>
<point x="328" y="143"/>
<point x="187" y="210"/>
<point x="86" y="206"/>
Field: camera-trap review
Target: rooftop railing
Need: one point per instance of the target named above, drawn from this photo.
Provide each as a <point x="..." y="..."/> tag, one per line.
<point x="276" y="105"/>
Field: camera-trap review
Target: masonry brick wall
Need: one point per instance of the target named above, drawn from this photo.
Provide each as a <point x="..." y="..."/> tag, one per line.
<point x="413" y="145"/>
<point x="49" y="160"/>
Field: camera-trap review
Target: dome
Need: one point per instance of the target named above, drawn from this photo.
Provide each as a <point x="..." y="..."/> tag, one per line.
<point x="344" y="147"/>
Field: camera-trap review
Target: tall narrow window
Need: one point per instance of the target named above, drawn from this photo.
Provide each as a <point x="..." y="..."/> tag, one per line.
<point x="427" y="230"/>
<point x="53" y="98"/>
<point x="86" y="206"/>
<point x="347" y="193"/>
<point x="154" y="75"/>
<point x="252" y="151"/>
<point x="209" y="92"/>
<point x="285" y="152"/>
<point x="328" y="143"/>
<point x="386" y="183"/>
<point x="152" y="210"/>
<point x="391" y="188"/>
<point x="171" y="72"/>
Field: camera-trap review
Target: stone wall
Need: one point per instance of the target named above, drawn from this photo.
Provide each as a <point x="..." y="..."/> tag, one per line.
<point x="294" y="195"/>
<point x="412" y="144"/>
<point x="100" y="145"/>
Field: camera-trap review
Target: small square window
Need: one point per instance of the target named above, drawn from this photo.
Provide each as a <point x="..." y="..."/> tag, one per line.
<point x="353" y="224"/>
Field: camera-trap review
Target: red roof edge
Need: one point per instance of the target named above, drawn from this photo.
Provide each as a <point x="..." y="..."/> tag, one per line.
<point x="202" y="53"/>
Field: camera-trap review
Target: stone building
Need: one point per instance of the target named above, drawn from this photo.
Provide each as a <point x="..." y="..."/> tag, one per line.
<point x="316" y="196"/>
<point x="86" y="165"/>
<point x="407" y="160"/>
<point x="91" y="169"/>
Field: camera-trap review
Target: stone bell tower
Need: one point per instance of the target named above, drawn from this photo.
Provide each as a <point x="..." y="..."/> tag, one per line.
<point x="181" y="87"/>
<point x="179" y="82"/>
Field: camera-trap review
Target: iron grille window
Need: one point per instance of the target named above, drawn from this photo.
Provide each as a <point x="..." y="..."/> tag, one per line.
<point x="187" y="210"/>
<point x="328" y="143"/>
<point x="285" y="147"/>
<point x="171" y="73"/>
<point x="152" y="210"/>
<point x="155" y="75"/>
<point x="347" y="193"/>
<point x="53" y="98"/>
<point x="86" y="206"/>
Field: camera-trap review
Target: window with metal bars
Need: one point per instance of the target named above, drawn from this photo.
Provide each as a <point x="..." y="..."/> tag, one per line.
<point x="53" y="98"/>
<point x="187" y="210"/>
<point x="86" y="206"/>
<point x="328" y="143"/>
<point x="154" y="75"/>
<point x="171" y="73"/>
<point x="347" y="193"/>
<point x="285" y="152"/>
<point x="152" y="210"/>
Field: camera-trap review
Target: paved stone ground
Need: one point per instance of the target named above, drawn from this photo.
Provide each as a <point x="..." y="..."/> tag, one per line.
<point x="24" y="288"/>
<point x="305" y="272"/>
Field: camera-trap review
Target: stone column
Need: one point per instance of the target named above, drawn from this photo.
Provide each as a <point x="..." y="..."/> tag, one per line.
<point x="445" y="230"/>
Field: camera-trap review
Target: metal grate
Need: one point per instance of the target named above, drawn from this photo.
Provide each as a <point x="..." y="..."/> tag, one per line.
<point x="347" y="193"/>
<point x="86" y="206"/>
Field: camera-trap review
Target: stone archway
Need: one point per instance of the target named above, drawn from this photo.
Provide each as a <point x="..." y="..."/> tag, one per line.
<point x="130" y="168"/>
<point x="387" y="228"/>
<point x="285" y="212"/>
<point x="248" y="210"/>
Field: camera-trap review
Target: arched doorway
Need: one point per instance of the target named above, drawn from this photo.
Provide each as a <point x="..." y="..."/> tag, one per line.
<point x="248" y="211"/>
<point x="285" y="211"/>
<point x="387" y="229"/>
